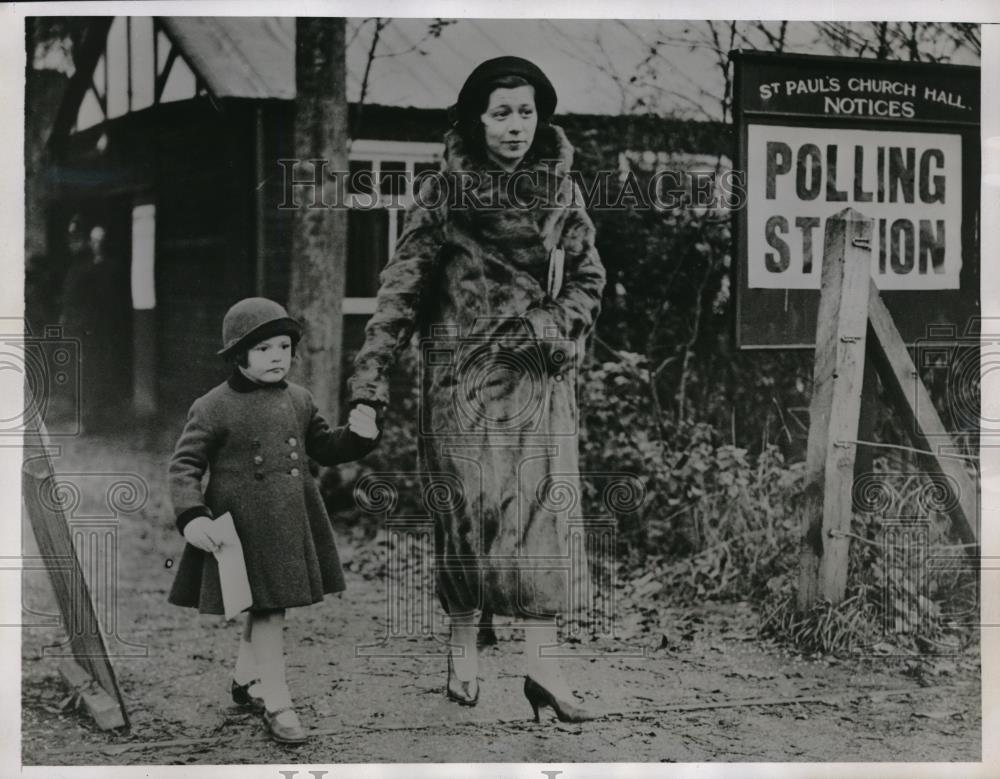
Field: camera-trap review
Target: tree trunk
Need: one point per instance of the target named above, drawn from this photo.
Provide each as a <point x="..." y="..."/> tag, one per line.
<point x="44" y="91"/>
<point x="319" y="236"/>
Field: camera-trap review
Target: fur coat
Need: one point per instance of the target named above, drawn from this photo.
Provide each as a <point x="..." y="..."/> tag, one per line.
<point x="498" y="420"/>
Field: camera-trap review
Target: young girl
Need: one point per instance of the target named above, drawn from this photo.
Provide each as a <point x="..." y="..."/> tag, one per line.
<point x="253" y="434"/>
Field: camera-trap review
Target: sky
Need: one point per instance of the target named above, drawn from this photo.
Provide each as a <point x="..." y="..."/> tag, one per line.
<point x="597" y="66"/>
<point x="604" y="66"/>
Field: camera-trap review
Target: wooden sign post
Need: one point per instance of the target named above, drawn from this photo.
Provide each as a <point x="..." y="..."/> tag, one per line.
<point x="838" y="374"/>
<point x="852" y="317"/>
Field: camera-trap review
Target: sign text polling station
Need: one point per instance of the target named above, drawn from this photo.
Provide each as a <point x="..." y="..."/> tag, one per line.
<point x="897" y="142"/>
<point x="909" y="183"/>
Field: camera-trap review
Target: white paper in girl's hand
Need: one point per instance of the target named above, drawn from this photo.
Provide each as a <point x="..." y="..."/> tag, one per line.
<point x="236" y="596"/>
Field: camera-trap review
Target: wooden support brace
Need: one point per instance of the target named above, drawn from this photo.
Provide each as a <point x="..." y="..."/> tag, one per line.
<point x="912" y="402"/>
<point x="55" y="543"/>
<point x="835" y="408"/>
<point x="102" y="707"/>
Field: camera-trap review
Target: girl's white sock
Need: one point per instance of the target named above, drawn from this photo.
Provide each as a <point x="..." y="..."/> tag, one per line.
<point x="268" y="650"/>
<point x="275" y="691"/>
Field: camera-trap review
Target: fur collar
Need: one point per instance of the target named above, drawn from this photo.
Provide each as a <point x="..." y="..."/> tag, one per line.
<point x="492" y="203"/>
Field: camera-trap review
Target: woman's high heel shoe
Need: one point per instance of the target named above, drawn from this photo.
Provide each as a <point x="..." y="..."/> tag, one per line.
<point x="463" y="693"/>
<point x="539" y="697"/>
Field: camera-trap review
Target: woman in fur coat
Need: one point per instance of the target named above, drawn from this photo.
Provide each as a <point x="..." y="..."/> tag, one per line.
<point x="496" y="270"/>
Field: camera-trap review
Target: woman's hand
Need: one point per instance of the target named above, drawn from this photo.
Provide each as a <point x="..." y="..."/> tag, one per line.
<point x="361" y="421"/>
<point x="199" y="533"/>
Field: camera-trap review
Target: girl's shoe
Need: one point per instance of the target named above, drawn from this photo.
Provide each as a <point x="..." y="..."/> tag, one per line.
<point x="284" y="727"/>
<point x="463" y="693"/>
<point x="243" y="697"/>
<point x="566" y="711"/>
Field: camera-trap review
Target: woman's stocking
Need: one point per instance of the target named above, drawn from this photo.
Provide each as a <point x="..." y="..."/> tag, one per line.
<point x="464" y="655"/>
<point x="540" y="636"/>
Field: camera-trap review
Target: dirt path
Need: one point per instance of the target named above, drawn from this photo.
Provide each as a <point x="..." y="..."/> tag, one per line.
<point x="383" y="702"/>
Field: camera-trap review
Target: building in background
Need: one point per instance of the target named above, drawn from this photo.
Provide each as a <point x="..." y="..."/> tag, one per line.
<point x="171" y="136"/>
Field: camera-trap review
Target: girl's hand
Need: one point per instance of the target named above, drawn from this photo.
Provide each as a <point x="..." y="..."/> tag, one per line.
<point x="198" y="532"/>
<point x="361" y="421"/>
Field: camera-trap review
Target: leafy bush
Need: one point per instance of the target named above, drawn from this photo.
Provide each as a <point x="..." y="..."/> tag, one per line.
<point x="718" y="515"/>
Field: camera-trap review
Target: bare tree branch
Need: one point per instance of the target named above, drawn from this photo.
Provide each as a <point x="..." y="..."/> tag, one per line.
<point x="583" y="51"/>
<point x="380" y="24"/>
<point x="882" y="35"/>
<point x="775" y="41"/>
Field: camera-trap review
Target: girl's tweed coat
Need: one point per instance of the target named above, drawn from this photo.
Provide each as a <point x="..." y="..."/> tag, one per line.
<point x="498" y="422"/>
<point x="254" y="441"/>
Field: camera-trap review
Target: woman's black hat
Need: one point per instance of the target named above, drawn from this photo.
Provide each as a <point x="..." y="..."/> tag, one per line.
<point x="487" y="72"/>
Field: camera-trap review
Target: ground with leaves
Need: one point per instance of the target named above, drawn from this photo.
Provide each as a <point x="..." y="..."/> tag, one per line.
<point x="678" y="684"/>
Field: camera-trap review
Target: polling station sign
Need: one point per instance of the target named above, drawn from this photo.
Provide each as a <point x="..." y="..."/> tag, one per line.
<point x="897" y="142"/>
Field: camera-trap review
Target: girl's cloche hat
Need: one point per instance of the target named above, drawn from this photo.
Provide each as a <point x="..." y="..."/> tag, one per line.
<point x="253" y="320"/>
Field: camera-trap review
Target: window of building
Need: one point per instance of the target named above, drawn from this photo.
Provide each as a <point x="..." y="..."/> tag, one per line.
<point x="379" y="190"/>
<point x="138" y="68"/>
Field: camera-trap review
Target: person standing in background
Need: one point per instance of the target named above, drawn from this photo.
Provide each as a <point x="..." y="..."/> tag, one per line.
<point x="85" y="315"/>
